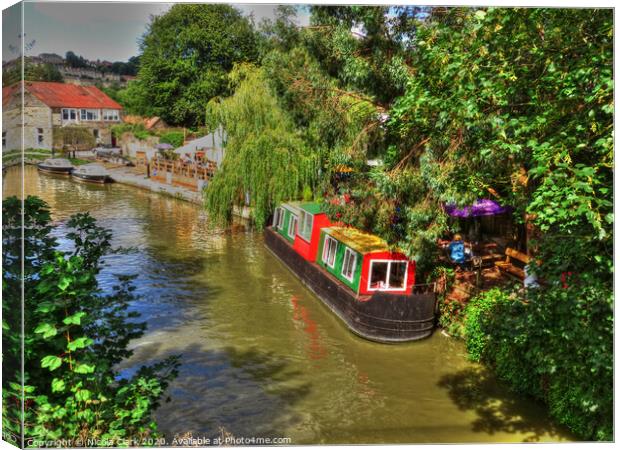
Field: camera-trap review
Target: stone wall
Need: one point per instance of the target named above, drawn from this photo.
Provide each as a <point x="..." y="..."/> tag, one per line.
<point x="37" y="121"/>
<point x="131" y="145"/>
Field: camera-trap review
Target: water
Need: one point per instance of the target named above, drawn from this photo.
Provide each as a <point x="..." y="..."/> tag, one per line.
<point x="262" y="357"/>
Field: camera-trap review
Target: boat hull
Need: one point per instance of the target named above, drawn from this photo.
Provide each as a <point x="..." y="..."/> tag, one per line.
<point x="55" y="170"/>
<point x="385" y="318"/>
<point x="99" y="179"/>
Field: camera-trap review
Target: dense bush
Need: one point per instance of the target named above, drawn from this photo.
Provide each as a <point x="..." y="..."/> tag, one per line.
<point x="174" y="138"/>
<point x="554" y="345"/>
<point x="74" y="335"/>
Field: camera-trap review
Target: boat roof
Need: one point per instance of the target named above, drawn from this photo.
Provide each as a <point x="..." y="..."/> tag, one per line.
<point x="311" y="207"/>
<point x="292" y="207"/>
<point x="92" y="169"/>
<point x="359" y="241"/>
<point x="57" y="162"/>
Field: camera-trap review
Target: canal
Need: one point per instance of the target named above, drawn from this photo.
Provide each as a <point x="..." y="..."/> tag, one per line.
<point x="261" y="356"/>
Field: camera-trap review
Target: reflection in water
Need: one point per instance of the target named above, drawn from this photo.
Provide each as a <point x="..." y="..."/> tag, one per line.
<point x="261" y="355"/>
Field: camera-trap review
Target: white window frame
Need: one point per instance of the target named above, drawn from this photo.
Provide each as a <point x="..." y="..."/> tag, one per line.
<point x="348" y="254"/>
<point x="326" y="246"/>
<point x="40" y="136"/>
<point x="292" y="226"/>
<point x="69" y="111"/>
<point x="84" y="112"/>
<point x="276" y="217"/>
<point x="110" y="115"/>
<point x="305" y="228"/>
<point x="387" y="274"/>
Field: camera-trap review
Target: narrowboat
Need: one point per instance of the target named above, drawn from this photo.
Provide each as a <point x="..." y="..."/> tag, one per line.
<point x="58" y="166"/>
<point x="91" y="173"/>
<point x="368" y="285"/>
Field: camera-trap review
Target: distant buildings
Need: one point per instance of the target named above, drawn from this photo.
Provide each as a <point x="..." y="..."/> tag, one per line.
<point x="50" y="105"/>
<point x="95" y="72"/>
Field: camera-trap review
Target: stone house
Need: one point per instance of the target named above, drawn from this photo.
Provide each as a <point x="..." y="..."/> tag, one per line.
<point x="48" y="105"/>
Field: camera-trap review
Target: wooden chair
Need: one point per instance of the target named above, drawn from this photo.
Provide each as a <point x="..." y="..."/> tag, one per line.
<point x="514" y="263"/>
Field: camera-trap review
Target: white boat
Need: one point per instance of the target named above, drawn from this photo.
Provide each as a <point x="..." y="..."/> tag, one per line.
<point x="56" y="165"/>
<point x="92" y="173"/>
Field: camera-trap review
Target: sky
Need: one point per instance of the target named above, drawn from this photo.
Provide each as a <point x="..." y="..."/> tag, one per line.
<point x="106" y="31"/>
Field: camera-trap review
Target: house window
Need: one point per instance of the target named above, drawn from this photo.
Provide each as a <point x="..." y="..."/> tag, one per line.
<point x="89" y="114"/>
<point x="388" y="275"/>
<point x="96" y="133"/>
<point x="40" y="135"/>
<point x="110" y="114"/>
<point x="292" y="226"/>
<point x="3" y="139"/>
<point x="348" y="266"/>
<point x="305" y="225"/>
<point x="329" y="251"/>
<point x="69" y="114"/>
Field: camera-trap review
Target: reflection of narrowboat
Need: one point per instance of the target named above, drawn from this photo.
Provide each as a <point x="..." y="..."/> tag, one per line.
<point x="368" y="285"/>
<point x="91" y="173"/>
<point x="59" y="166"/>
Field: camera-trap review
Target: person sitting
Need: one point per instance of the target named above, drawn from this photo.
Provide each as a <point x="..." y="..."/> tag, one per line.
<point x="457" y="251"/>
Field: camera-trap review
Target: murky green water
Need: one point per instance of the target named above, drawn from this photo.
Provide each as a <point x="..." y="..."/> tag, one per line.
<point x="262" y="357"/>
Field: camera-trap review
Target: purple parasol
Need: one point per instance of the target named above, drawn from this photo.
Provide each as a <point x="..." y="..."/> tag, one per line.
<point x="484" y="207"/>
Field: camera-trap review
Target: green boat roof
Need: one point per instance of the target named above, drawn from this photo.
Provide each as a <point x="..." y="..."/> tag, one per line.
<point x="312" y="208"/>
<point x="358" y="240"/>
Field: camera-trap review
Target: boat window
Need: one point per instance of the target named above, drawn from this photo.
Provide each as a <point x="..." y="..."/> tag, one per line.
<point x="398" y="273"/>
<point x="292" y="226"/>
<point x="348" y="266"/>
<point x="305" y="225"/>
<point x="329" y="251"/>
<point x="276" y="217"/>
<point x="388" y="275"/>
<point x="378" y="275"/>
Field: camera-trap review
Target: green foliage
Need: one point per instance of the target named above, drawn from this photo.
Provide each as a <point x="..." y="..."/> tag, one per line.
<point x="555" y="345"/>
<point x="32" y="72"/>
<point x="186" y="55"/>
<point x="138" y="130"/>
<point x="477" y="310"/>
<point x="174" y="138"/>
<point x="73" y="138"/>
<point x="74" y="336"/>
<point x="266" y="159"/>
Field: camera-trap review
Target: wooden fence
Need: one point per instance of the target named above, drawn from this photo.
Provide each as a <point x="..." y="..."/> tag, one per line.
<point x="187" y="174"/>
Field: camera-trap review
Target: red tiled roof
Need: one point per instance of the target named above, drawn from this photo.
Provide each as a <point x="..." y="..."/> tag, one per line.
<point x="58" y="95"/>
<point x="7" y="93"/>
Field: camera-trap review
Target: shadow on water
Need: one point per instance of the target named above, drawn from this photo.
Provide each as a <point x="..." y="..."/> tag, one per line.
<point x="497" y="409"/>
<point x="239" y="388"/>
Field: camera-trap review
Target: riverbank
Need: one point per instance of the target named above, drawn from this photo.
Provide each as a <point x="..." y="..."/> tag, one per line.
<point x="126" y="175"/>
<point x="262" y="356"/>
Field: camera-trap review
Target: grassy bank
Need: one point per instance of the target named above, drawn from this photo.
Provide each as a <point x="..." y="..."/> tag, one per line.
<point x="33" y="156"/>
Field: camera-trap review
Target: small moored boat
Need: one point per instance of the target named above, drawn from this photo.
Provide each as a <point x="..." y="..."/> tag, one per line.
<point x="59" y="166"/>
<point x="92" y="173"/>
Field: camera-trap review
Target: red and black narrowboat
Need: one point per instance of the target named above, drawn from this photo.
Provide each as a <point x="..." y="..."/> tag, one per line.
<point x="367" y="284"/>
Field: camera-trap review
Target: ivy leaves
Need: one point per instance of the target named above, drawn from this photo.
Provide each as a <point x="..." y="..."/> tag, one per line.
<point x="74" y="335"/>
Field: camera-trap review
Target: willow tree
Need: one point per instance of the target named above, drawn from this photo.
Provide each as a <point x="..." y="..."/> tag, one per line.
<point x="266" y="159"/>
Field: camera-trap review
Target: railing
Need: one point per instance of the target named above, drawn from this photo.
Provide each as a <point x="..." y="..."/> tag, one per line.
<point x="197" y="171"/>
